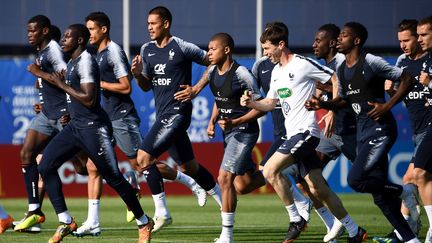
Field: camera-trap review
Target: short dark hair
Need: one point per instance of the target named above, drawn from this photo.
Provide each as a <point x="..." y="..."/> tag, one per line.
<point x="275" y="32"/>
<point x="426" y="20"/>
<point x="225" y="38"/>
<point x="81" y="31"/>
<point x="359" y="31"/>
<point x="332" y="29"/>
<point x="408" y="24"/>
<point x="55" y="33"/>
<point x="41" y="20"/>
<point x="100" y="18"/>
<point x="163" y="13"/>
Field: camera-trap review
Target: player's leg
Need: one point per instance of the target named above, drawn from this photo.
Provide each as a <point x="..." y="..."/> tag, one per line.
<point x="127" y="137"/>
<point x="423" y="177"/>
<point x="369" y="174"/>
<point x="182" y="153"/>
<point x="61" y="148"/>
<point x="91" y="226"/>
<point x="97" y="143"/>
<point x="39" y="134"/>
<point x="236" y="161"/>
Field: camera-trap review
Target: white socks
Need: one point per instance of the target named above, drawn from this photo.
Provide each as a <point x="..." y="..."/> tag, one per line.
<point x="293" y="213"/>
<point x="185" y="180"/>
<point x="142" y="221"/>
<point x="93" y="212"/>
<point x="161" y="209"/>
<point x="350" y="225"/>
<point x="326" y="217"/>
<point x="65" y="217"/>
<point x="33" y="206"/>
<point x="216" y="194"/>
<point x="227" y="225"/>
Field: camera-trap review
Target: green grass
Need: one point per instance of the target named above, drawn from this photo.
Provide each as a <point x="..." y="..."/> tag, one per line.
<point x="259" y="218"/>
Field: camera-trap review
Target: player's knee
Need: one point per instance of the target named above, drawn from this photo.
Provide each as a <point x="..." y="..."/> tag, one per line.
<point x="26" y="156"/>
<point x="270" y="175"/>
<point x="224" y="180"/>
<point x="190" y="167"/>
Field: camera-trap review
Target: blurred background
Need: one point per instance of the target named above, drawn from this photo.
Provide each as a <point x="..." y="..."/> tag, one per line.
<point x="195" y="21"/>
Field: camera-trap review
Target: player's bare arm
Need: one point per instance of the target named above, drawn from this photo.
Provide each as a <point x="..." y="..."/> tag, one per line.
<point x="188" y="92"/>
<point x="122" y="87"/>
<point x="136" y="68"/>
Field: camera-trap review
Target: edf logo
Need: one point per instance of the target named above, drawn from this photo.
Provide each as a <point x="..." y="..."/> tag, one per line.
<point x="159" y="69"/>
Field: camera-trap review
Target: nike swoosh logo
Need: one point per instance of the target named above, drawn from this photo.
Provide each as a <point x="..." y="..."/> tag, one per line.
<point x="264" y="71"/>
<point x="151" y="54"/>
<point x="100" y="153"/>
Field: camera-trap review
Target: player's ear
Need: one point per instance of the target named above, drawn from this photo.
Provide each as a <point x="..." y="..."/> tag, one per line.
<point x="167" y="24"/>
<point x="104" y="29"/>
<point x="357" y="41"/>
<point x="45" y="30"/>
<point x="80" y="40"/>
<point x="227" y="50"/>
<point x="332" y="43"/>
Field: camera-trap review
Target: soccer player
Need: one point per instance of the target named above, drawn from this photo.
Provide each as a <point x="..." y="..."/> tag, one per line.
<point x="164" y="65"/>
<point x="423" y="169"/>
<point x="261" y="70"/>
<point x="47" y="122"/>
<point x="341" y="139"/>
<point x="228" y="81"/>
<point x="6" y="221"/>
<point x="89" y="130"/>
<point x="292" y="84"/>
<point x="362" y="79"/>
<point x="419" y="113"/>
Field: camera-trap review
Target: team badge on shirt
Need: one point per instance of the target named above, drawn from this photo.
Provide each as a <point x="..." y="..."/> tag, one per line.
<point x="356" y="107"/>
<point x="171" y="54"/>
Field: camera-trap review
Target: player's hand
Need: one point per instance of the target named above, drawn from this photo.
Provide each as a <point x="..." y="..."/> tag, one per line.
<point x="136" y="67"/>
<point x="246" y="99"/>
<point x="225" y="123"/>
<point x="33" y="69"/>
<point x="186" y="94"/>
<point x="211" y="130"/>
<point x="378" y="111"/>
<point x="329" y="123"/>
<point x="37" y="107"/>
<point x="424" y="78"/>
<point x="64" y="119"/>
<point x="313" y="104"/>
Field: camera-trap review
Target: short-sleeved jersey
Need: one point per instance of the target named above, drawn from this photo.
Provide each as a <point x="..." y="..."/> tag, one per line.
<point x="84" y="69"/>
<point x="418" y="100"/>
<point x="364" y="82"/>
<point x="113" y="65"/>
<point x="345" y="121"/>
<point x="427" y="66"/>
<point x="262" y="70"/>
<point x="294" y="84"/>
<point x="53" y="99"/>
<point x="228" y="89"/>
<point x="169" y="67"/>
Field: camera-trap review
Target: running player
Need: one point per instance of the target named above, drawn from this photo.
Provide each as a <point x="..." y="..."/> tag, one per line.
<point x="420" y="115"/>
<point x="89" y="130"/>
<point x="291" y="85"/>
<point x="228" y="81"/>
<point x="47" y="122"/>
<point x="362" y="79"/>
<point x="164" y="66"/>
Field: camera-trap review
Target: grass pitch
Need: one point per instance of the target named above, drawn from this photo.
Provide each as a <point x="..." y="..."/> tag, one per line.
<point x="259" y="218"/>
